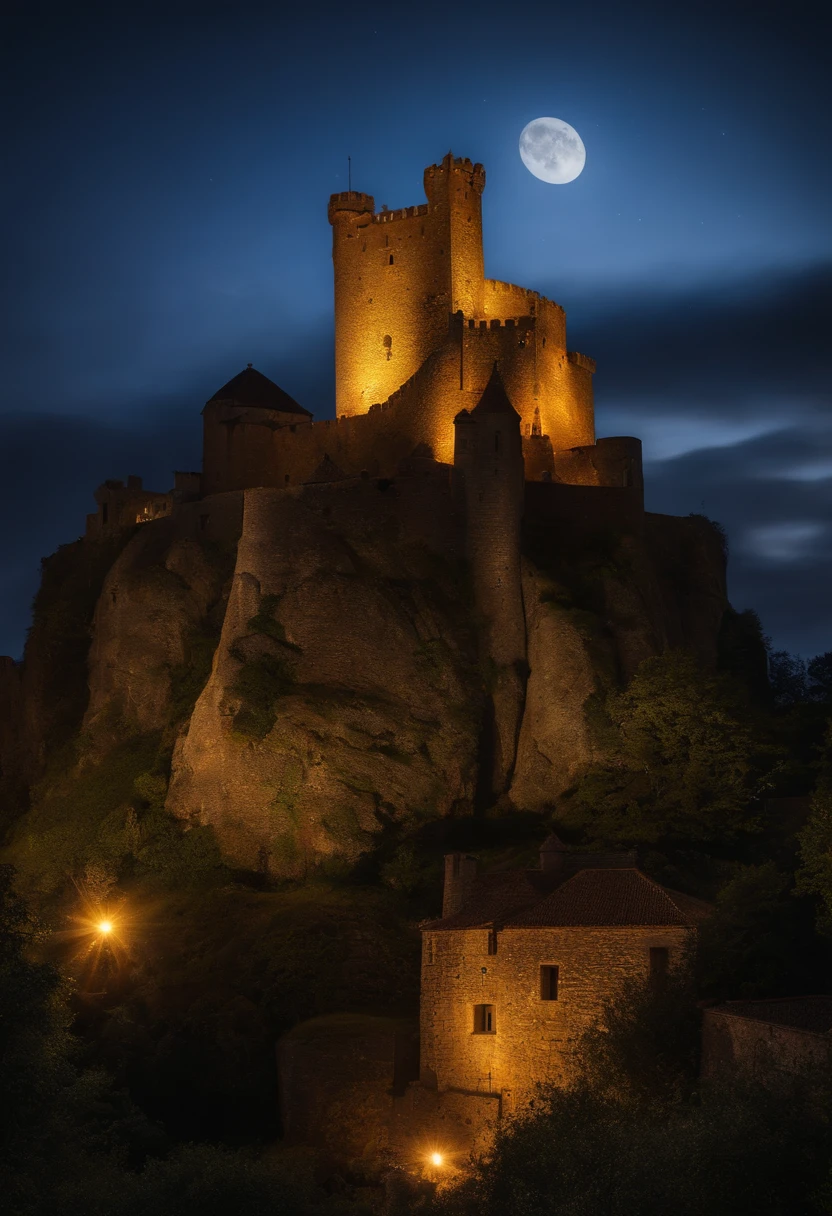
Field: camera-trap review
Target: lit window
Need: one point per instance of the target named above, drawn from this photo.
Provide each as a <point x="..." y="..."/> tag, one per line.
<point x="485" y="1021"/>
<point x="549" y="983"/>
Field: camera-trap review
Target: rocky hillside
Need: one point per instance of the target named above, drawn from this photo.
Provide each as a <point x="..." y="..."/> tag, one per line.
<point x="309" y="678"/>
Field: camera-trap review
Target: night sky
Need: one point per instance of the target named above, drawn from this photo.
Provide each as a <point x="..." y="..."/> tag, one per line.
<point x="165" y="179"/>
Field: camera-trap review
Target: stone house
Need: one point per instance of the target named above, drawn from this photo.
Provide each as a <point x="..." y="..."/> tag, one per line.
<point x="522" y="962"/>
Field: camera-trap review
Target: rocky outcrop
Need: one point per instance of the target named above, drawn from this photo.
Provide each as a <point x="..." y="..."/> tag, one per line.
<point x="162" y="592"/>
<point x="344" y="693"/>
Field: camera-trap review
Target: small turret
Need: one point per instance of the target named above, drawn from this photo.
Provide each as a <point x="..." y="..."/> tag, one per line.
<point x="349" y="204"/>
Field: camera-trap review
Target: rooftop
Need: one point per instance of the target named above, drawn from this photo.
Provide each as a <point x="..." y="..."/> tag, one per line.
<point x="601" y="890"/>
<point x="250" y="387"/>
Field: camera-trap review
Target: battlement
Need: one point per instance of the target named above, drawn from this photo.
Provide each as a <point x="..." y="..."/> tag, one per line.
<point x="484" y="324"/>
<point x="350" y="201"/>
<point x="403" y="213"/>
<point x="498" y="287"/>
<point x="580" y="360"/>
<point x="461" y="166"/>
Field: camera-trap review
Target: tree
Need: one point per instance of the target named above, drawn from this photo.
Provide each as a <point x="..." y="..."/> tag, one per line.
<point x="815" y="874"/>
<point x="788" y="679"/>
<point x="688" y="765"/>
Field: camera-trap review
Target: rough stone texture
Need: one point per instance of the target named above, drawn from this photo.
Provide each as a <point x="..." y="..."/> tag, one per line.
<point x="533" y="1039"/>
<point x="337" y="1079"/>
<point x="453" y="1123"/>
<point x="734" y="1042"/>
<point x="378" y="722"/>
<point x="555" y="742"/>
<point x="158" y="593"/>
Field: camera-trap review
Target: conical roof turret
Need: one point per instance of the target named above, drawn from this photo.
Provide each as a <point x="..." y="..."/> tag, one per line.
<point x="495" y="399"/>
<point x="251" y="388"/>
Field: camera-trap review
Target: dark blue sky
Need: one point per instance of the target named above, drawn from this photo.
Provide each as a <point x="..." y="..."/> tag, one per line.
<point x="165" y="181"/>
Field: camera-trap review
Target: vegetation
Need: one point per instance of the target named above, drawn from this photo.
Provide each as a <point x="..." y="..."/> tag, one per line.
<point x="638" y="1132"/>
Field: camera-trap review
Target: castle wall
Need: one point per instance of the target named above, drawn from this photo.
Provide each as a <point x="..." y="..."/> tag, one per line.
<point x="534" y="1038"/>
<point x="398" y="274"/>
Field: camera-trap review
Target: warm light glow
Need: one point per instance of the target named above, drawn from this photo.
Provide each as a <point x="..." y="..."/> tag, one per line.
<point x="105" y="926"/>
<point x="436" y="1158"/>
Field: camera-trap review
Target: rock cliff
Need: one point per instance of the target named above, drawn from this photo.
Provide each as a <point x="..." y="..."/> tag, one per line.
<point x="318" y="681"/>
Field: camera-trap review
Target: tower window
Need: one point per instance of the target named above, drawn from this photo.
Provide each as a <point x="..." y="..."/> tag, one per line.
<point x="391" y="259"/>
<point x="659" y="962"/>
<point x="485" y="1020"/>
<point x="492" y="941"/>
<point x="549" y="983"/>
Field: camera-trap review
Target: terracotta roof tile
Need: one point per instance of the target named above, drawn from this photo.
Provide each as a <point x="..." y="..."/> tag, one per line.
<point x="604" y="895"/>
<point x="612" y="897"/>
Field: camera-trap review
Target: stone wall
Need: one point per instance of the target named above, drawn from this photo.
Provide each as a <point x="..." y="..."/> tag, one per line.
<point x="733" y="1043"/>
<point x="533" y="1038"/>
<point x="338" y="1077"/>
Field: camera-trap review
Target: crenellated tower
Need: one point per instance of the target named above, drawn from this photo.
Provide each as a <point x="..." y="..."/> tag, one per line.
<point x="399" y="275"/>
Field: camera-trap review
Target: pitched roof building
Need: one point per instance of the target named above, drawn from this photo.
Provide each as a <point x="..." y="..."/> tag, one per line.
<point x="522" y="962"/>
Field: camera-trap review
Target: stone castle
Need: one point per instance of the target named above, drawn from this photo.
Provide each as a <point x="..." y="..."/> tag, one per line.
<point x="457" y="390"/>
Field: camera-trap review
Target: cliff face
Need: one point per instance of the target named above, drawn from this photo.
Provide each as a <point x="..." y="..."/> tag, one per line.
<point x="319" y="680"/>
<point x="344" y="691"/>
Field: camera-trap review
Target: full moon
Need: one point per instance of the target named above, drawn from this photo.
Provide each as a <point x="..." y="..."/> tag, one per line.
<point x="552" y="150"/>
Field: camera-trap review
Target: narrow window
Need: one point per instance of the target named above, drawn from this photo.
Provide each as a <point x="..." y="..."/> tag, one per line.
<point x="429" y="951"/>
<point x="286" y="478"/>
<point x="485" y="1021"/>
<point x="659" y="961"/>
<point x="549" y="983"/>
<point x="492" y="941"/>
<point x="391" y="259"/>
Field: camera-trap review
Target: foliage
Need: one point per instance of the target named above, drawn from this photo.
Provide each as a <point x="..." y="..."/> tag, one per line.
<point x="645" y="1046"/>
<point x="742" y="652"/>
<point x="188" y="679"/>
<point x="815" y="874"/>
<point x="260" y="684"/>
<point x="688" y="765"/>
<point x="580" y="1152"/>
<point x="108" y="817"/>
<point x="759" y="940"/>
<point x="636" y="1133"/>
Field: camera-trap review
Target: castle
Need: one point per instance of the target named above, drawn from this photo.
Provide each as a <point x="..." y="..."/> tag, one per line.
<point x="458" y="388"/>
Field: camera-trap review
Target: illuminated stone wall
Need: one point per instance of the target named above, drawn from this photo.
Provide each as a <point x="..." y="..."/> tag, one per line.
<point x="732" y="1042"/>
<point x="398" y="275"/>
<point x="533" y="1037"/>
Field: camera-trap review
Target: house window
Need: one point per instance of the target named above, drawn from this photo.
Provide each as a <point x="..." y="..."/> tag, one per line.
<point x="549" y="983"/>
<point x="659" y="962"/>
<point x="485" y="1021"/>
<point x="492" y="941"/>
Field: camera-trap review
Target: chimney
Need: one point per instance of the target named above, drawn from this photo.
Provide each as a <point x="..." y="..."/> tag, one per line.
<point x="552" y="854"/>
<point x="460" y="872"/>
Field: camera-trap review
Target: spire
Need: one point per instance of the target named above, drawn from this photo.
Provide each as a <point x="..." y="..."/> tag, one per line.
<point x="495" y="398"/>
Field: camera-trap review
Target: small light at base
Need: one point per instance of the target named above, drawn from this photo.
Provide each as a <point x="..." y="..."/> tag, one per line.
<point x="436" y="1158"/>
<point x="105" y="926"/>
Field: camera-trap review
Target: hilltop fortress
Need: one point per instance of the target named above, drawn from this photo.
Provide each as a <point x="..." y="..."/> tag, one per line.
<point x="410" y="610"/>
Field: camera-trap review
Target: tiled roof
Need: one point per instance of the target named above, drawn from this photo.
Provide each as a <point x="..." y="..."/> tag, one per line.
<point x="252" y="388"/>
<point x="612" y="897"/>
<point x="605" y="895"/>
<point x="803" y="1012"/>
